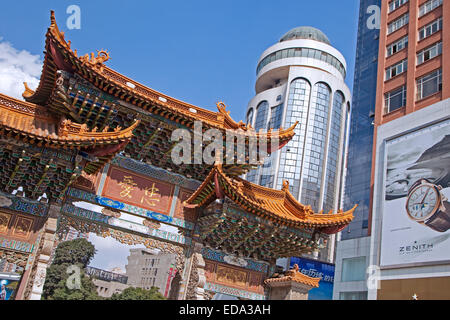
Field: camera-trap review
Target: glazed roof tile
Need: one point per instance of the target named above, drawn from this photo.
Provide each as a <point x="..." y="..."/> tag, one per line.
<point x="294" y="275"/>
<point x="94" y="70"/>
<point x="278" y="206"/>
<point x="32" y="121"/>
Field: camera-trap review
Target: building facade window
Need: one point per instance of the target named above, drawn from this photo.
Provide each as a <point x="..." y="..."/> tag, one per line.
<point x="333" y="152"/>
<point x="399" y="23"/>
<point x="261" y="115"/>
<point x="316" y="139"/>
<point x="251" y="175"/>
<point x="395" y="99"/>
<point x="429" y="6"/>
<point x="429" y="53"/>
<point x="397" y="46"/>
<point x="353" y="269"/>
<point x="292" y="154"/>
<point x="262" y="111"/>
<point x="396" y="69"/>
<point x="276" y="114"/>
<point x="302" y="52"/>
<point x="430" y="29"/>
<point x="395" y="4"/>
<point x="250" y="117"/>
<point x="268" y="171"/>
<point x="429" y="84"/>
<point x="267" y="175"/>
<point x="344" y="155"/>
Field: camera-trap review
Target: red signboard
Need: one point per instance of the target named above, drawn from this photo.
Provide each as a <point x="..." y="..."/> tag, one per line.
<point x="140" y="191"/>
<point x="234" y="277"/>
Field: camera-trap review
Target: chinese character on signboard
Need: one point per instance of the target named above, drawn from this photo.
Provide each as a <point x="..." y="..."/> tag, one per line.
<point x="127" y="186"/>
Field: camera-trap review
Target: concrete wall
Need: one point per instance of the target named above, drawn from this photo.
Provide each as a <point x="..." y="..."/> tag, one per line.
<point x="359" y="247"/>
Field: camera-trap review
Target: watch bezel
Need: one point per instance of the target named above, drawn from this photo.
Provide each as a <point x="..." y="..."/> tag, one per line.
<point x="436" y="207"/>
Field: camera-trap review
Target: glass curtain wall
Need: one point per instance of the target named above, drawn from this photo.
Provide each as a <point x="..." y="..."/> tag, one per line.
<point x="333" y="150"/>
<point x="260" y="123"/>
<point x="316" y="138"/>
<point x="292" y="154"/>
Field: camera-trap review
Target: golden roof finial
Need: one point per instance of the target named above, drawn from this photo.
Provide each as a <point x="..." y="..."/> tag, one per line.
<point x="96" y="61"/>
<point x="52" y="18"/>
<point x="28" y="91"/>
<point x="285" y="186"/>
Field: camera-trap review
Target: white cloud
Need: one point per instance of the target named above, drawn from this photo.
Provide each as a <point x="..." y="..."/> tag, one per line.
<point x="110" y="252"/>
<point x="17" y="67"/>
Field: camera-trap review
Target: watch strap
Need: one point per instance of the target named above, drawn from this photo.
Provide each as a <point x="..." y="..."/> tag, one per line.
<point x="441" y="220"/>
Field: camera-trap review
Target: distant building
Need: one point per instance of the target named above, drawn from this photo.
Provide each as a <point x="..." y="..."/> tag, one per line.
<point x="106" y="289"/>
<point x="147" y="269"/>
<point x="396" y="240"/>
<point x="352" y="249"/>
<point x="301" y="79"/>
<point x="107" y="282"/>
<point x="73" y="234"/>
<point x="410" y="173"/>
<point x="118" y="270"/>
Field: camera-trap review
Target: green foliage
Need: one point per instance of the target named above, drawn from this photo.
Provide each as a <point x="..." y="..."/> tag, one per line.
<point x="86" y="292"/>
<point x="138" y="294"/>
<point x="78" y="252"/>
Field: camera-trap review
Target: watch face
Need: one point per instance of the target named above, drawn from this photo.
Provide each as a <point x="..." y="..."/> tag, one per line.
<point x="422" y="202"/>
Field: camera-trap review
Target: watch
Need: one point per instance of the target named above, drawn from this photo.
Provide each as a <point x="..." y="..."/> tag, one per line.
<point x="428" y="206"/>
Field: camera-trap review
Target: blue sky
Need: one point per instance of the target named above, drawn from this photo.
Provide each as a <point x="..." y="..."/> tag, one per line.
<point x="200" y="52"/>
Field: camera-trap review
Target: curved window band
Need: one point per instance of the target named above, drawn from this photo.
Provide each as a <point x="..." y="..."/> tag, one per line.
<point x="261" y="115"/>
<point x="305" y="53"/>
<point x="250" y="117"/>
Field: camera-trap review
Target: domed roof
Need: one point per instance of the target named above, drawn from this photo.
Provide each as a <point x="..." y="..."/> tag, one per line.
<point x="306" y="33"/>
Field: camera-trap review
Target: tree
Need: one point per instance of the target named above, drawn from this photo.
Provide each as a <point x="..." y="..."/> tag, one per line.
<point x="133" y="293"/>
<point x="78" y="251"/>
<point x="70" y="260"/>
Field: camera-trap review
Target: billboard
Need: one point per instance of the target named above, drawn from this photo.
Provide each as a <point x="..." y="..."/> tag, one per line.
<point x="9" y="283"/>
<point x="106" y="275"/>
<point x="416" y="211"/>
<point x="317" y="269"/>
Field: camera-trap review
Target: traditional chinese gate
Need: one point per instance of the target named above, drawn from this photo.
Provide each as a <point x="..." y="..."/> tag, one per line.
<point x="89" y="134"/>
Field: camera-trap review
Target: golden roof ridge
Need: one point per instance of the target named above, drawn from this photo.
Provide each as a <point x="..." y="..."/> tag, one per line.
<point x="283" y="207"/>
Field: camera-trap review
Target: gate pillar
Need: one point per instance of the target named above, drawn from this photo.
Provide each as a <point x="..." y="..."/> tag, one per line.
<point x="43" y="255"/>
<point x="197" y="279"/>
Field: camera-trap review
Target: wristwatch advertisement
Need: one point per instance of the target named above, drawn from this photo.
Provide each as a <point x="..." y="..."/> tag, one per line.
<point x="415" y="211"/>
<point x="428" y="206"/>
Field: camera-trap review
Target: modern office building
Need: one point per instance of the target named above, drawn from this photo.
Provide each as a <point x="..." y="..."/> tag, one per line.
<point x="302" y="78"/>
<point x="352" y="251"/>
<point x="405" y="255"/>
<point x="411" y="173"/>
<point x="147" y="269"/>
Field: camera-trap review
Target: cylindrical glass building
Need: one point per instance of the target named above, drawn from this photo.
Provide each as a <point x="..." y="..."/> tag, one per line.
<point x="302" y="78"/>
